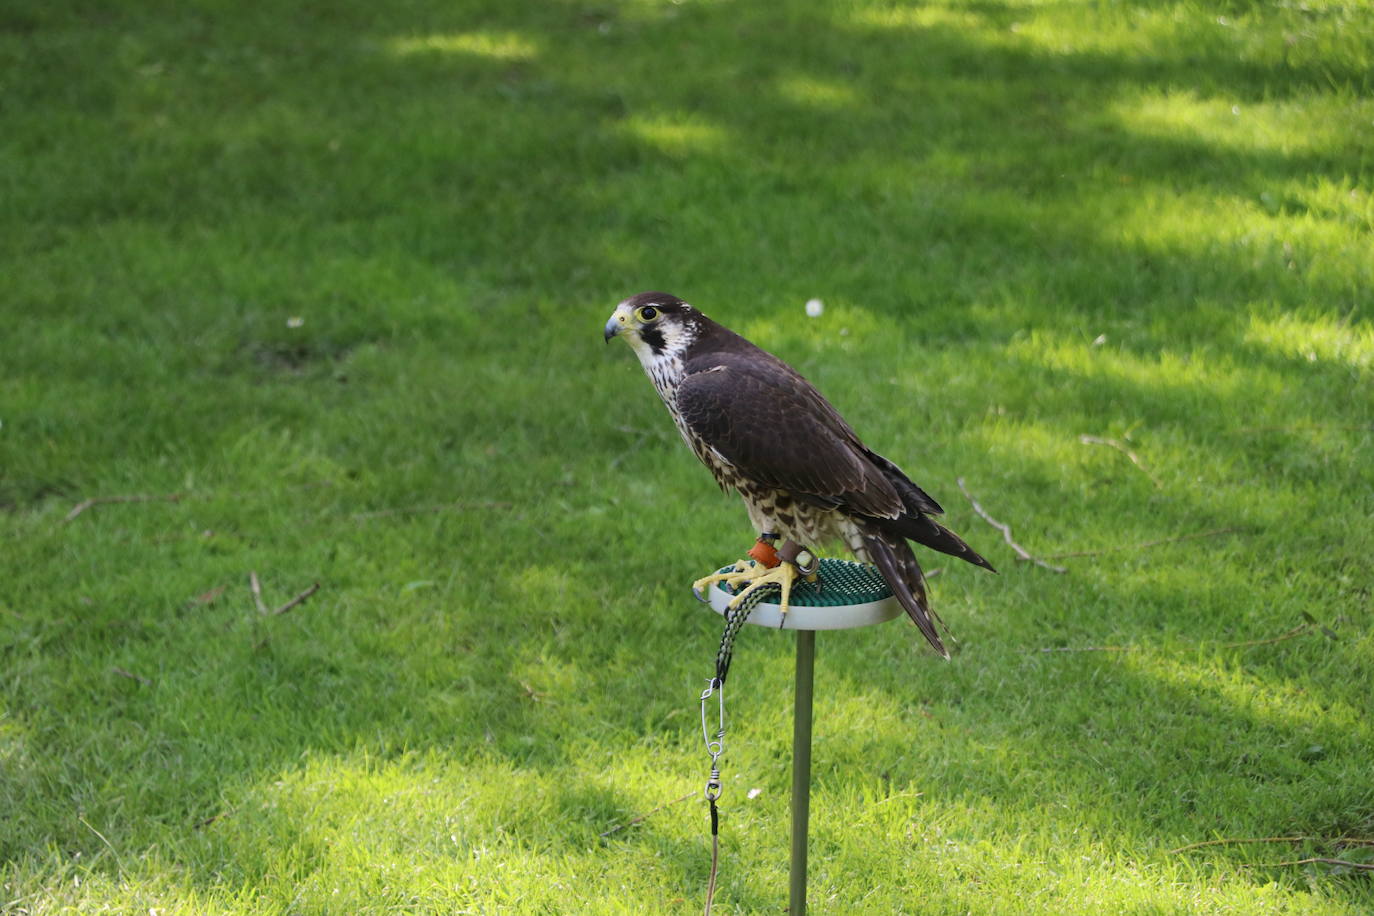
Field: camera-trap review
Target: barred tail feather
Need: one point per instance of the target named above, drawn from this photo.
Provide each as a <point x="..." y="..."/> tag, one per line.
<point x="894" y="559"/>
<point x="932" y="534"/>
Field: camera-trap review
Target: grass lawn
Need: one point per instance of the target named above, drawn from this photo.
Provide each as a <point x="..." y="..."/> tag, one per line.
<point x="327" y="283"/>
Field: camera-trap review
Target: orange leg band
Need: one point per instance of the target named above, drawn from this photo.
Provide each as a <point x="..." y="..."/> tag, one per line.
<point x="763" y="552"/>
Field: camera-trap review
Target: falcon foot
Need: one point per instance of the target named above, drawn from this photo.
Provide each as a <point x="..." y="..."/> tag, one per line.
<point x="748" y="576"/>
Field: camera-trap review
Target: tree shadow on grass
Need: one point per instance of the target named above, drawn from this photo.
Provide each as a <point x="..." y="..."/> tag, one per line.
<point x="297" y="695"/>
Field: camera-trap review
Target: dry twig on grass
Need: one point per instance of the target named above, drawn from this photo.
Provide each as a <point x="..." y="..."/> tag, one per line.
<point x="1121" y="447"/>
<point x="107" y="500"/>
<point x="256" y="588"/>
<point x="459" y="506"/>
<point x="1311" y="860"/>
<point x="1021" y="552"/>
<point x="314" y="587"/>
<point x="1231" y="841"/>
<point x="201" y="825"/>
<point x="1314" y="860"/>
<point x="131" y="676"/>
<point x="208" y="597"/>
<point x="1141" y="546"/>
<point x="1309" y="624"/>
<point x="631" y="823"/>
<point x="1289" y="634"/>
<point x="1305" y="427"/>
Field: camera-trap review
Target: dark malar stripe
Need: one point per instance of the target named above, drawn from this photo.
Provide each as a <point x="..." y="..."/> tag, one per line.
<point x="654" y="338"/>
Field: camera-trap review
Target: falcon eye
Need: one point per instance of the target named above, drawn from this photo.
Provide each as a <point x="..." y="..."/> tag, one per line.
<point x="648" y="313"/>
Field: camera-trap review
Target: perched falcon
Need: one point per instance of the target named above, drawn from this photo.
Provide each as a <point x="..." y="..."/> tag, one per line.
<point x="764" y="431"/>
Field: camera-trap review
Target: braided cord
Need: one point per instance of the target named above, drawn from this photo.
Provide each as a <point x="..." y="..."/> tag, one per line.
<point x="735" y="619"/>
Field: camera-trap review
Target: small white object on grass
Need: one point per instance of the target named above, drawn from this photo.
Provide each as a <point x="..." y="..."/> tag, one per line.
<point x="295" y="321"/>
<point x="814" y="307"/>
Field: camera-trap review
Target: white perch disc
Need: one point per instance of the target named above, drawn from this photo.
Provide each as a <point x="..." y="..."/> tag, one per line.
<point x="851" y="595"/>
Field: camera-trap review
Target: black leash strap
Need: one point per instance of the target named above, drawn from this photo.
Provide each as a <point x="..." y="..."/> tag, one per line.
<point x="715" y="857"/>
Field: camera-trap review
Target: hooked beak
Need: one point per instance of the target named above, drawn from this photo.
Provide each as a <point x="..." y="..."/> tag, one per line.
<point x="618" y="322"/>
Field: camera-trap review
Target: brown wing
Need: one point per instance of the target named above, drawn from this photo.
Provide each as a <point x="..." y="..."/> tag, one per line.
<point x="777" y="430"/>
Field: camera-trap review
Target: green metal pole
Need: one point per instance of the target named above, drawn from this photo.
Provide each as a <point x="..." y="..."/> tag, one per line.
<point x="801" y="769"/>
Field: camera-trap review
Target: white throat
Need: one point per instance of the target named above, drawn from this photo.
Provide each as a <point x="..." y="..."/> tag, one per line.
<point x="665" y="368"/>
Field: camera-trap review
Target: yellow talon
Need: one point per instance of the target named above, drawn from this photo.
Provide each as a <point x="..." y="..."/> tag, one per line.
<point x="737" y="574"/>
<point x="753" y="576"/>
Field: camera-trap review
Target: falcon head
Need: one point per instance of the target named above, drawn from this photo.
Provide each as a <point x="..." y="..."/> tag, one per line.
<point x="655" y="325"/>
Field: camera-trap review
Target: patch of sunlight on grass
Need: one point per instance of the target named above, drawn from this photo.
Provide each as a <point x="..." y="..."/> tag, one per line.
<point x="430" y="831"/>
<point x="816" y="93"/>
<point x="677" y="134"/>
<point x="356" y="824"/>
<point x="544" y="679"/>
<point x="920" y="17"/>
<point x="1337" y="201"/>
<point x="1165" y="371"/>
<point x="1270" y="229"/>
<point x="1325" y="338"/>
<point x="1067" y="31"/>
<point x="1025" y="440"/>
<point x="1308" y="124"/>
<point x="545" y="587"/>
<point x="510" y="46"/>
<point x="1269" y="700"/>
